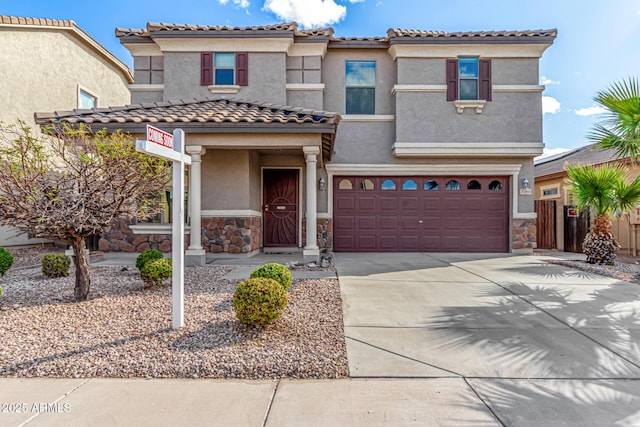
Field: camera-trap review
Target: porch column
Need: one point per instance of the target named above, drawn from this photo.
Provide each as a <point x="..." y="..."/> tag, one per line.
<point x="195" y="254"/>
<point x="311" y="251"/>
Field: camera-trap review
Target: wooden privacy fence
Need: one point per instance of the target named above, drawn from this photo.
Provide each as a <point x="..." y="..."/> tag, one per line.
<point x="546" y="224"/>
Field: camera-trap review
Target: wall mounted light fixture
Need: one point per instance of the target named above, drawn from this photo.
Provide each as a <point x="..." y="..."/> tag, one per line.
<point x="322" y="184"/>
<point x="524" y="184"/>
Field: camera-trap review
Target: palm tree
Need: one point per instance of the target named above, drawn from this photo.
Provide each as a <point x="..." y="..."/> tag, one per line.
<point x="620" y="127"/>
<point x="604" y="190"/>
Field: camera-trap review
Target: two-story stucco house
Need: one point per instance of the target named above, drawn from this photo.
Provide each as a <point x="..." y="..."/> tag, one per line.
<point x="417" y="141"/>
<point x="49" y="64"/>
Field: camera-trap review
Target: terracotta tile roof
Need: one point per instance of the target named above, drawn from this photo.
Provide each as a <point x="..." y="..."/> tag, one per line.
<point x="393" y="34"/>
<point x="207" y="110"/>
<point x="45" y="22"/>
<point x="315" y="32"/>
<point x="589" y="154"/>
<point x="420" y="34"/>
<point x="154" y="27"/>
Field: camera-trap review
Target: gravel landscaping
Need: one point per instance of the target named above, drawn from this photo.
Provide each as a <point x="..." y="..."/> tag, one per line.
<point x="125" y="331"/>
<point x="626" y="268"/>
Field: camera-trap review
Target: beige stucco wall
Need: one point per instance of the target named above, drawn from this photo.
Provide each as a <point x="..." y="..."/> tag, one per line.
<point x="41" y="70"/>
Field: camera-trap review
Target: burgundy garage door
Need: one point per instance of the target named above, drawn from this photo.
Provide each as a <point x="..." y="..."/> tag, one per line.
<point x="409" y="214"/>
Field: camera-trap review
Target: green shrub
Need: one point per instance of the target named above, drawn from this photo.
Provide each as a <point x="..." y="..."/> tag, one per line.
<point x="259" y="301"/>
<point x="6" y="261"/>
<point x="56" y="265"/>
<point x="156" y="271"/>
<point x="277" y="272"/>
<point x="146" y="256"/>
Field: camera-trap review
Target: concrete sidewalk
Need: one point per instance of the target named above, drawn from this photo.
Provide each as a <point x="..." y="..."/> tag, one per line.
<point x="277" y="403"/>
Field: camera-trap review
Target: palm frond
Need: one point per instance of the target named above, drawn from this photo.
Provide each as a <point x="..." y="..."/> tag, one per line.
<point x="620" y="127"/>
<point x="595" y="187"/>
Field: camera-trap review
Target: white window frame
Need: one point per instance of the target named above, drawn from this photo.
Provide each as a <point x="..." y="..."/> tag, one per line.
<point x="543" y="188"/>
<point x="88" y="92"/>
<point x="373" y="86"/>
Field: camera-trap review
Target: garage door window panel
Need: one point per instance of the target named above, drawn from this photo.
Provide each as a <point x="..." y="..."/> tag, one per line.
<point x="345" y="184"/>
<point x="496" y="186"/>
<point x="409" y="185"/>
<point x="452" y="185"/>
<point x="474" y="185"/>
<point x="388" y="185"/>
<point x="431" y="185"/>
<point x="367" y="184"/>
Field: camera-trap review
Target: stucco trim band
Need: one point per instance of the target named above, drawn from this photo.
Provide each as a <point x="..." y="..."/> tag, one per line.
<point x="518" y="88"/>
<point x="146" y="87"/>
<point x="418" y="88"/>
<point x="224" y="89"/>
<point x="249" y="213"/>
<point x="465" y="149"/>
<point x="305" y="86"/>
<point x="368" y="118"/>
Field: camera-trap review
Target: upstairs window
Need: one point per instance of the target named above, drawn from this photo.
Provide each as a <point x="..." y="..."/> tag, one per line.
<point x="224" y="68"/>
<point x="468" y="78"/>
<point x="360" y="87"/>
<point x="86" y="100"/>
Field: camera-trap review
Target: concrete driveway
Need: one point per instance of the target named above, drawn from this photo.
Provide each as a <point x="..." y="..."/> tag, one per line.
<point x="521" y="340"/>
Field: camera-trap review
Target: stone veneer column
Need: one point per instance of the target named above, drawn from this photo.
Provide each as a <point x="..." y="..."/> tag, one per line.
<point x="311" y="251"/>
<point x="195" y="254"/>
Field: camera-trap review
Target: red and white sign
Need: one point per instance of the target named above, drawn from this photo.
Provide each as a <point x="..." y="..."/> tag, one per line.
<point x="160" y="137"/>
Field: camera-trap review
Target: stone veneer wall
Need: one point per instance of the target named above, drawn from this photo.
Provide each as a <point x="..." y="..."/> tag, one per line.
<point x="524" y="234"/>
<point x="233" y="235"/>
<point x="120" y="238"/>
<point x="324" y="232"/>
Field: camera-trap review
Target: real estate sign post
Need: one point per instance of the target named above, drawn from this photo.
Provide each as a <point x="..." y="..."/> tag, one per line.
<point x="171" y="147"/>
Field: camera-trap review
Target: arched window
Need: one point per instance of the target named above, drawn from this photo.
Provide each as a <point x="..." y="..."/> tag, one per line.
<point x="453" y="185"/>
<point x="495" y="186"/>
<point x="367" y="184"/>
<point x="431" y="185"/>
<point x="409" y="185"/>
<point x="388" y="184"/>
<point x="474" y="185"/>
<point x="345" y="184"/>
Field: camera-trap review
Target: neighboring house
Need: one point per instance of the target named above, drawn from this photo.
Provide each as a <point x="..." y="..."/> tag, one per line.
<point x="560" y="226"/>
<point x="48" y="64"/>
<point x="417" y="141"/>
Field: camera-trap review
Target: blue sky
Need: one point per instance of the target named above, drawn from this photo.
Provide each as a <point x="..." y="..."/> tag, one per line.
<point x="597" y="40"/>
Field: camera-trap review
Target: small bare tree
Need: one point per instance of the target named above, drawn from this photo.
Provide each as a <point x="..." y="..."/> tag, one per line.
<point x="74" y="183"/>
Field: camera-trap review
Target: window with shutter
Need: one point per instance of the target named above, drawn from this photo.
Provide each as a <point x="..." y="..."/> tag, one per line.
<point x="468" y="78"/>
<point x="224" y="68"/>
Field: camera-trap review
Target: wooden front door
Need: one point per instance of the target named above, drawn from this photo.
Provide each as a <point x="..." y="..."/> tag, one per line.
<point x="280" y="207"/>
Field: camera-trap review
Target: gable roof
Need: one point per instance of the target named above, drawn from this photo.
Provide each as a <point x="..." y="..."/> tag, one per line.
<point x="589" y="154"/>
<point x="205" y="115"/>
<point x="71" y="26"/>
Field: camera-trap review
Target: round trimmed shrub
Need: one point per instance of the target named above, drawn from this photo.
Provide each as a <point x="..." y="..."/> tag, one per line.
<point x="56" y="265"/>
<point x="259" y="301"/>
<point x="275" y="271"/>
<point x="156" y="271"/>
<point x="6" y="261"/>
<point x="146" y="256"/>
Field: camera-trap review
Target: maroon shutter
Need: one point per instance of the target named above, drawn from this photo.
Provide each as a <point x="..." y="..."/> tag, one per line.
<point x="485" y="79"/>
<point x="452" y="79"/>
<point x="206" y="68"/>
<point x="242" y="68"/>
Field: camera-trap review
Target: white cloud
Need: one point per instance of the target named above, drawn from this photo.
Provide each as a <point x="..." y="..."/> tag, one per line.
<point x="244" y="4"/>
<point x="548" y="152"/>
<point x="591" y="111"/>
<point x="547" y="81"/>
<point x="550" y="105"/>
<point x="307" y="13"/>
